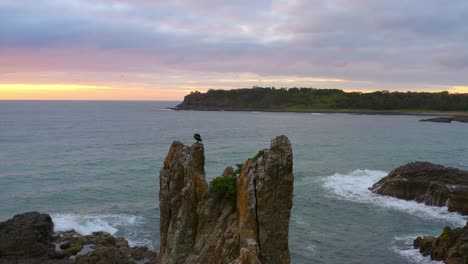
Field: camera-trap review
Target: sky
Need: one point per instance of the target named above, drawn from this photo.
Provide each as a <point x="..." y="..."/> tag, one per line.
<point x="163" y="50"/>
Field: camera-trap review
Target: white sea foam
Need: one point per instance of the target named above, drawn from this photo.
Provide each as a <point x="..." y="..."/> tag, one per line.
<point x="317" y="114"/>
<point x="403" y="246"/>
<point x="354" y="187"/>
<point x="87" y="224"/>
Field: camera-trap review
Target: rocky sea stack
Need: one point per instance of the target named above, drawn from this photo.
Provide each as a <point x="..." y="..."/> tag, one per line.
<point x="427" y="183"/>
<point x="241" y="217"/>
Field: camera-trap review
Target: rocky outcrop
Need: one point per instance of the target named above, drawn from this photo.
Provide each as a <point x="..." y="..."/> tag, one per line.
<point x="203" y="223"/>
<point x="29" y="239"/>
<point x="429" y="184"/>
<point x="451" y="246"/>
<point x="26" y="236"/>
<point x="447" y="119"/>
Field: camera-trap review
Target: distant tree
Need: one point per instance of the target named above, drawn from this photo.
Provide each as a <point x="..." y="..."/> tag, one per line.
<point x="312" y="98"/>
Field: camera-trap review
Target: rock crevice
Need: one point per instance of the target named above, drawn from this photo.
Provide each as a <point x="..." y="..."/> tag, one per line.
<point x="199" y="228"/>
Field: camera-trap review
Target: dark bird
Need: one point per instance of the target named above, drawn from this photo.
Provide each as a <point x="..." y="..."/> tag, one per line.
<point x="197" y="137"/>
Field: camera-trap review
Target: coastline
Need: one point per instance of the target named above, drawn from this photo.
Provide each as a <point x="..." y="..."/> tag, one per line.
<point x="324" y="111"/>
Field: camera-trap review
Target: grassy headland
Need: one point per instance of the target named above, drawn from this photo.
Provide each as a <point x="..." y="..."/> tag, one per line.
<point x="326" y="100"/>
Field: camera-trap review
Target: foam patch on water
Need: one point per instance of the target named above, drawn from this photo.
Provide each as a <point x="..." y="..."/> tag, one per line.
<point x="403" y="246"/>
<point x="110" y="223"/>
<point x="354" y="187"/>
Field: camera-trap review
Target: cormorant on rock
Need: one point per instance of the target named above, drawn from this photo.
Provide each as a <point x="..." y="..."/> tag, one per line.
<point x="197" y="137"/>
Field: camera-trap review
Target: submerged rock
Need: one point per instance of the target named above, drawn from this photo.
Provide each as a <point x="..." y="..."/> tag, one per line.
<point x="446" y="119"/>
<point x="451" y="246"/>
<point x="200" y="224"/>
<point x="429" y="184"/>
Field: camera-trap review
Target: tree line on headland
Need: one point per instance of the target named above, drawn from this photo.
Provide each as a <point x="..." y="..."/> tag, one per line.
<point x="271" y="98"/>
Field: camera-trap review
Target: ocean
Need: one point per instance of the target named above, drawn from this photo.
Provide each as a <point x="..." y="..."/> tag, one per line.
<point x="94" y="165"/>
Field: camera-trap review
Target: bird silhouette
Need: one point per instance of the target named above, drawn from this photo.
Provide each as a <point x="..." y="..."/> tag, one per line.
<point x="197" y="137"/>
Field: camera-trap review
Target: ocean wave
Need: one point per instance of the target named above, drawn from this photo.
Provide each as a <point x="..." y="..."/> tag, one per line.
<point x="354" y="187"/>
<point x="403" y="246"/>
<point x="111" y="223"/>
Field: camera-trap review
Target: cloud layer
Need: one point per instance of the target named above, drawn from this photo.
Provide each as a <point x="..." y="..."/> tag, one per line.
<point x="366" y="44"/>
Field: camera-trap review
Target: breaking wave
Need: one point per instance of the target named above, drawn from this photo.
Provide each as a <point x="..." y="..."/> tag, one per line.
<point x="125" y="225"/>
<point x="354" y="187"/>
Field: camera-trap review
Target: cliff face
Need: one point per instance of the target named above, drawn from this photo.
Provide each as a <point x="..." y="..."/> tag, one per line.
<point x="427" y="183"/>
<point x="200" y="227"/>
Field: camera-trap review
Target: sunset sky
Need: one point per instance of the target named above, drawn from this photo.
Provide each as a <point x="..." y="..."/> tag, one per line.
<point x="162" y="50"/>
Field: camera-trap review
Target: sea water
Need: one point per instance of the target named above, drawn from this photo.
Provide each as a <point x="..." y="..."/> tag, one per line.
<point x="94" y="166"/>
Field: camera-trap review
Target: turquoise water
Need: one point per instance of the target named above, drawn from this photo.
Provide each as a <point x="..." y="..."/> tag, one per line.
<point x="95" y="166"/>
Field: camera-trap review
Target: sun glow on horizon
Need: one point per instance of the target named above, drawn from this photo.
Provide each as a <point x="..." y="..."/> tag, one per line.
<point x="84" y="92"/>
<point x="149" y="93"/>
<point x="459" y="89"/>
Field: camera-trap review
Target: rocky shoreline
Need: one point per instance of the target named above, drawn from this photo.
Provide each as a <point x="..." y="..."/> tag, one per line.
<point x="427" y="183"/>
<point x="29" y="238"/>
<point x="454" y="117"/>
<point x="451" y="246"/>
<point x="447" y="119"/>
<point x="240" y="217"/>
<point x="433" y="185"/>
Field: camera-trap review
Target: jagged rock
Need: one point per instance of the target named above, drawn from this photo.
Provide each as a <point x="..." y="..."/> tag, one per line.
<point x="451" y="246"/>
<point x="427" y="183"/>
<point x="28" y="235"/>
<point x="182" y="184"/>
<point x="200" y="226"/>
<point x="274" y="188"/>
<point x="27" y="239"/>
<point x="102" y="247"/>
<point x="228" y="171"/>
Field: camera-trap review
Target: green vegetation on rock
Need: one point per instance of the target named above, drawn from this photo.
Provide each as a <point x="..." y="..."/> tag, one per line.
<point x="239" y="169"/>
<point x="259" y="154"/>
<point x="222" y="187"/>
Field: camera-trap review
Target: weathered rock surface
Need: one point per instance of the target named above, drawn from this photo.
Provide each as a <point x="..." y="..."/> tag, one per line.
<point x="26" y="236"/>
<point x="29" y="239"/>
<point x="451" y="246"/>
<point x="447" y="119"/>
<point x="429" y="184"/>
<point x="100" y="247"/>
<point x="199" y="227"/>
